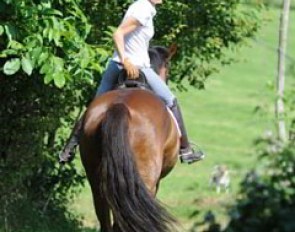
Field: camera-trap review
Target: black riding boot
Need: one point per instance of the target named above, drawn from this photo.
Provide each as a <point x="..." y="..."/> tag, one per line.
<point x="187" y="153"/>
<point x="68" y="152"/>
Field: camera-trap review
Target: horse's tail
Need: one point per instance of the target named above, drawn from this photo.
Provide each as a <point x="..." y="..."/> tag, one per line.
<point x="133" y="207"/>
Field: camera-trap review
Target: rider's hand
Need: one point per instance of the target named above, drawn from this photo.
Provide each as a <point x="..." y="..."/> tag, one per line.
<point x="132" y="71"/>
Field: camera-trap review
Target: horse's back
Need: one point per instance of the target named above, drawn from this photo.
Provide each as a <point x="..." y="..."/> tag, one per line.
<point x="143" y="105"/>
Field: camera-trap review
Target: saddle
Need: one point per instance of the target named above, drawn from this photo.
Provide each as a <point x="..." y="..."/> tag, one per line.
<point x="141" y="82"/>
<point x="123" y="82"/>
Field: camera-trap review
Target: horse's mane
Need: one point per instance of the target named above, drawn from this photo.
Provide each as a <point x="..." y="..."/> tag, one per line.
<point x="158" y="57"/>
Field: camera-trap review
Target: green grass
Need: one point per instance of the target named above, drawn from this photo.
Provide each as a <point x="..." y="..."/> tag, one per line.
<point x="222" y="121"/>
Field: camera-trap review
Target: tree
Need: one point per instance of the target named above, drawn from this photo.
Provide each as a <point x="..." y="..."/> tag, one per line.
<point x="43" y="48"/>
<point x="203" y="31"/>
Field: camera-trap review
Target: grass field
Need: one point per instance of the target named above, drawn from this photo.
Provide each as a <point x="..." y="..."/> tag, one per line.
<point x="222" y="120"/>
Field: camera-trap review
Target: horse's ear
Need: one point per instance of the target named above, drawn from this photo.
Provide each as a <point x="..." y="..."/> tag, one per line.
<point x="172" y="50"/>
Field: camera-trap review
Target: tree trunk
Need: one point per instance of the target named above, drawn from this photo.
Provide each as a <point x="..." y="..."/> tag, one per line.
<point x="279" y="106"/>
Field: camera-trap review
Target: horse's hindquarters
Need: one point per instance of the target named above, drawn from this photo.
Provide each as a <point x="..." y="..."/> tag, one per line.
<point x="123" y="158"/>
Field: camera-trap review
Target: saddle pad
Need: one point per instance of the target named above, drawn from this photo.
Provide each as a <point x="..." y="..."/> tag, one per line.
<point x="175" y="121"/>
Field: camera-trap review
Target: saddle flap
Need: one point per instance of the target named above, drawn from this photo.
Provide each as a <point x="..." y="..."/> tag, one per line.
<point x="175" y="121"/>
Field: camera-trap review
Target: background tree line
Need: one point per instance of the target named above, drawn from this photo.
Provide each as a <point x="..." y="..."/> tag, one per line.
<point x="52" y="54"/>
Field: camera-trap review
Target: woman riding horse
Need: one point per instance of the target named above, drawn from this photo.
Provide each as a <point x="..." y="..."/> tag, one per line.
<point x="132" y="42"/>
<point x="128" y="140"/>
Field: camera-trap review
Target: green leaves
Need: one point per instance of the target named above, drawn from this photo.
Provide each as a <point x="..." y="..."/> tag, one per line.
<point x="51" y="41"/>
<point x="10" y="31"/>
<point x="1" y="30"/>
<point x="58" y="71"/>
<point x="59" y="80"/>
<point x="53" y="69"/>
<point x="27" y="65"/>
<point x="11" y="66"/>
<point x="50" y="11"/>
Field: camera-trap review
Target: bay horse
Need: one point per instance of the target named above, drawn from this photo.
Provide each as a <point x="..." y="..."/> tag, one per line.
<point x="129" y="143"/>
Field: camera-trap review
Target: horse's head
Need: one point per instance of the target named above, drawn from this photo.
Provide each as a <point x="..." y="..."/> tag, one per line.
<point x="160" y="57"/>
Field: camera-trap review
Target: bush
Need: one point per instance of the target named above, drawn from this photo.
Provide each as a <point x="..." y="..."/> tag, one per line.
<point x="267" y="201"/>
<point x="32" y="116"/>
<point x="42" y="49"/>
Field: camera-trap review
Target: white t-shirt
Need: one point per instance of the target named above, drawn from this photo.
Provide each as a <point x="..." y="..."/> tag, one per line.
<point x="137" y="42"/>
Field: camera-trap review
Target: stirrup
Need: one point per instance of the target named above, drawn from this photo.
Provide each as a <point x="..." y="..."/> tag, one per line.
<point x="191" y="154"/>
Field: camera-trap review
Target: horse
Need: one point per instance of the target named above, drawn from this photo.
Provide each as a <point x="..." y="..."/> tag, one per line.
<point x="128" y="144"/>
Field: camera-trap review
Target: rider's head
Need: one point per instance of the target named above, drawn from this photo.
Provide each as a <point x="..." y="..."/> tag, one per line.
<point x="155" y="2"/>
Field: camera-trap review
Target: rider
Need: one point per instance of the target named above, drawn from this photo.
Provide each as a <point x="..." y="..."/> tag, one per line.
<point x="132" y="43"/>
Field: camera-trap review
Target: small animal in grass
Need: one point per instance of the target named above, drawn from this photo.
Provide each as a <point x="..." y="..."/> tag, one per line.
<point x="220" y="178"/>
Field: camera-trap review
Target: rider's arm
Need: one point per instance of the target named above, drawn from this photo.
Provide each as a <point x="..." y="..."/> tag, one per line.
<point x="127" y="26"/>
